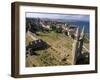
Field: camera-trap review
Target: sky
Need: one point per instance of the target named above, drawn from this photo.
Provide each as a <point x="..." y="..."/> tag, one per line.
<point x="77" y="17"/>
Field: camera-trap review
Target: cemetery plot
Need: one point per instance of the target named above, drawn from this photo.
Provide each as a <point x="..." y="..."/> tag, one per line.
<point x="53" y="43"/>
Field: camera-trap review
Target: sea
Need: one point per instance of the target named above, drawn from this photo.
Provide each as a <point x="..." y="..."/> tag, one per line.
<point x="81" y="24"/>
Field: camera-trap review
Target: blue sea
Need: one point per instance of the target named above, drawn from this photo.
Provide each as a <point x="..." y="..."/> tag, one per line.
<point x="81" y="24"/>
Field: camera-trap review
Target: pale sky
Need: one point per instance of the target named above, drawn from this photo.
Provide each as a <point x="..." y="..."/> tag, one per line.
<point x="77" y="17"/>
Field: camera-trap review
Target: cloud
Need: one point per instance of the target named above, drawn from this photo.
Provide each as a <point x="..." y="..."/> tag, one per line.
<point x="78" y="17"/>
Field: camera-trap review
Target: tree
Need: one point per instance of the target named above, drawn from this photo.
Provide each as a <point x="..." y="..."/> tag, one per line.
<point x="53" y="27"/>
<point x="66" y="33"/>
<point x="59" y="30"/>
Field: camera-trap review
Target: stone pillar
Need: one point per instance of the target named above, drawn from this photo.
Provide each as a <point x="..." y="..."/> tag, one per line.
<point x="81" y="41"/>
<point x="75" y="47"/>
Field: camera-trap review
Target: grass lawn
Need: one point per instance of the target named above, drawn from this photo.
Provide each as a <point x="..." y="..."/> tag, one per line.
<point x="60" y="52"/>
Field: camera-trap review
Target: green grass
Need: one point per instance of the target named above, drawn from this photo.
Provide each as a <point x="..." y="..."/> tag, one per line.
<point x="50" y="36"/>
<point x="60" y="52"/>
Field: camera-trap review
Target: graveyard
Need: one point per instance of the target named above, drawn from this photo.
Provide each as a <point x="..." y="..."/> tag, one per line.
<point x="48" y="47"/>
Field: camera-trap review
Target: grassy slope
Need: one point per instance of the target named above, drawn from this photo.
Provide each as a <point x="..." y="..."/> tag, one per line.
<point x="58" y="54"/>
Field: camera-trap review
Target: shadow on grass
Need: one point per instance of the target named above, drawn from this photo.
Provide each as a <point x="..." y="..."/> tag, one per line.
<point x="83" y="58"/>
